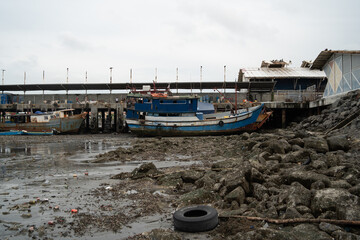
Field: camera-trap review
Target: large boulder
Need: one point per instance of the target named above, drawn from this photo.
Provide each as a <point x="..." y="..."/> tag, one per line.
<point x="238" y="178"/>
<point x="238" y="195"/>
<point x="145" y="170"/>
<point x="306" y="178"/>
<point x="259" y="191"/>
<point x="310" y="232"/>
<point x="297" y="156"/>
<point x="349" y="213"/>
<point x="191" y="176"/>
<point x="297" y="141"/>
<point x="328" y="227"/>
<point x="317" y="143"/>
<point x="330" y="199"/>
<point x="339" y="142"/>
<point x="295" y="195"/>
<point x="279" y="146"/>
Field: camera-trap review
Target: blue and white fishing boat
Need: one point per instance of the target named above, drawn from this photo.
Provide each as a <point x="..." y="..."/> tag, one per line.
<point x="160" y="114"/>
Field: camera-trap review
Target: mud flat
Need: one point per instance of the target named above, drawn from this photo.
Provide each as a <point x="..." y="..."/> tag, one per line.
<point x="133" y="185"/>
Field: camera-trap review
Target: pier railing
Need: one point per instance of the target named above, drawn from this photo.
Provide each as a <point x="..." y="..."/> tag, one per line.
<point x="296" y="95"/>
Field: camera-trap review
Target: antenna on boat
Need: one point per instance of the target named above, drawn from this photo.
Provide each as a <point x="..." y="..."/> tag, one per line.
<point x="154" y="86"/>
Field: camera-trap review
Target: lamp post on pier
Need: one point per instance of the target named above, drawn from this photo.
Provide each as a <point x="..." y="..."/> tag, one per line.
<point x="111" y="68"/>
<point x="3" y="70"/>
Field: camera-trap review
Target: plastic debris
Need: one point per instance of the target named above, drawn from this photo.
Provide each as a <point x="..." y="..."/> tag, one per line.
<point x="109" y="188"/>
<point x="131" y="192"/>
<point x="32" y="201"/>
<point x="75" y="175"/>
<point x="51" y="222"/>
<point x="56" y="208"/>
<point x="31" y="229"/>
<point x="74" y="210"/>
<point x="86" y="173"/>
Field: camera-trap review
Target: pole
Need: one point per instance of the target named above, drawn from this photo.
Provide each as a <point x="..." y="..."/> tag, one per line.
<point x="177" y="80"/>
<point x="155" y="75"/>
<point x="24" y="85"/>
<point x="200" y="79"/>
<point x="110" y="80"/>
<point x="86" y="80"/>
<point x="43" y="83"/>
<point x="224" y="79"/>
<point x="67" y="81"/>
<point x="3" y="82"/>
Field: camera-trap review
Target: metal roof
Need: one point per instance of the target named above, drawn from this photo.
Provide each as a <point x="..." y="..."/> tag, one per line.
<point x="263" y="86"/>
<point x="325" y="55"/>
<point x="285" y="72"/>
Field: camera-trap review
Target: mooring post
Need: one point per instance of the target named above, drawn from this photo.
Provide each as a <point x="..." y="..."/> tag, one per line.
<point x="94" y="119"/>
<point x="283" y="118"/>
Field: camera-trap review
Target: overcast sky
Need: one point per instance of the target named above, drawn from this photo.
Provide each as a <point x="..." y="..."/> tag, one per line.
<point x="89" y="35"/>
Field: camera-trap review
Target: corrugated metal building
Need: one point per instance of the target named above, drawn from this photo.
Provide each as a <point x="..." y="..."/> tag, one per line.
<point x="286" y="78"/>
<point x="342" y="68"/>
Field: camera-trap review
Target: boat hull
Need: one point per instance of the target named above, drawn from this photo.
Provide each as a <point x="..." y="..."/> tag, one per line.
<point x="222" y="126"/>
<point x="62" y="125"/>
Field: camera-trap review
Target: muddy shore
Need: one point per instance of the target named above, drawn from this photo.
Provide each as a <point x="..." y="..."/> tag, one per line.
<point x="124" y="187"/>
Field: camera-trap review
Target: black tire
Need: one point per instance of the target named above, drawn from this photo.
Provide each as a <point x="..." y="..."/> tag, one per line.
<point x="221" y="123"/>
<point x="195" y="219"/>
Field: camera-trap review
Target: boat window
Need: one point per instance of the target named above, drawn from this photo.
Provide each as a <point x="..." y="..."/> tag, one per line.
<point x="46" y="117"/>
<point x="57" y="115"/>
<point x="174" y="101"/>
<point x="161" y="101"/>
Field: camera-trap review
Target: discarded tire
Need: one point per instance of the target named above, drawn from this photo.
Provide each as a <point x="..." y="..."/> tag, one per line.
<point x="195" y="219"/>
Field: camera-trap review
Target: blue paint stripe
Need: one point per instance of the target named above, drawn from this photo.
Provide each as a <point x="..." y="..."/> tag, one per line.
<point x="210" y="128"/>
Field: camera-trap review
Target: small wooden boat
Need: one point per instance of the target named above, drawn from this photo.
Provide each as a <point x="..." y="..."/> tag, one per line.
<point x="11" y="133"/>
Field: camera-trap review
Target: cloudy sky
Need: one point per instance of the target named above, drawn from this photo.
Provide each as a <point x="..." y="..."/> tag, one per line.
<point x="89" y="35"/>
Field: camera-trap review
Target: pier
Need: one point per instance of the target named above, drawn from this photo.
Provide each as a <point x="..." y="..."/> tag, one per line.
<point x="105" y="111"/>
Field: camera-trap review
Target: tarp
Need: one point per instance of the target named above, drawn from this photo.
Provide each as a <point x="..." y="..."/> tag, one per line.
<point x="205" y="108"/>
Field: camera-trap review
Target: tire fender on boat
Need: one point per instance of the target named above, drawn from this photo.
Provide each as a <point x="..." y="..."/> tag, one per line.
<point x="221" y="123"/>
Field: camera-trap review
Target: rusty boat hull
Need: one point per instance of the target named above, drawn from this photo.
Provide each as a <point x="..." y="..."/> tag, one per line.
<point x="69" y="124"/>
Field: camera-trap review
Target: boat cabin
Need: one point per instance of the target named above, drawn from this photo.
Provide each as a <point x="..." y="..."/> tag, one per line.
<point x="160" y="105"/>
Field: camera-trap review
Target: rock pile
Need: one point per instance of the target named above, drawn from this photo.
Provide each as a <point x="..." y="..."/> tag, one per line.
<point x="284" y="174"/>
<point x="344" y="108"/>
